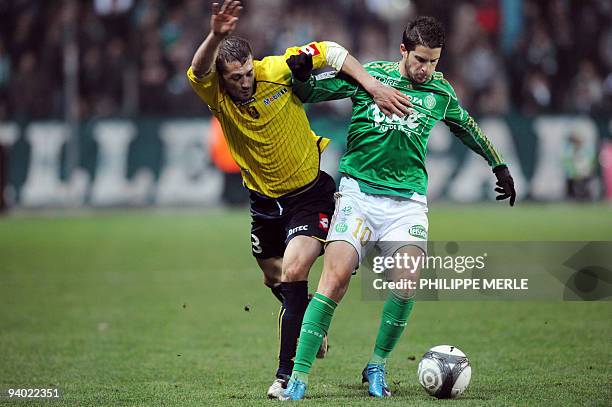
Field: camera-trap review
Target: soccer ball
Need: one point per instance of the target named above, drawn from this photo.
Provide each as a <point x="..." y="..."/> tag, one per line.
<point x="444" y="372"/>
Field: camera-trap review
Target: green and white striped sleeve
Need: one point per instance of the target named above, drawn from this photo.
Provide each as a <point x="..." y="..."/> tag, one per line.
<point x="324" y="87"/>
<point x="467" y="130"/>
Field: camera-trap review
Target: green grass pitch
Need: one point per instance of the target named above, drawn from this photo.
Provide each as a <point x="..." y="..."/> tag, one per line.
<point x="148" y="308"/>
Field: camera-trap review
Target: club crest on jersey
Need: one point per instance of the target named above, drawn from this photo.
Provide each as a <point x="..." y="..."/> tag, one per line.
<point x="430" y="101"/>
<point x="310" y="49"/>
<point x="341" y="227"/>
<point x="252" y="111"/>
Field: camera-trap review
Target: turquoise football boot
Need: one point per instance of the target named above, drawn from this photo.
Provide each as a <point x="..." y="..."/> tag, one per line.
<point x="374" y="375"/>
<point x="295" y="390"/>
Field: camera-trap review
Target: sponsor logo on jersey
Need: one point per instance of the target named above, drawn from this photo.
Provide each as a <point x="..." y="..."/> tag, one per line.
<point x="297" y="229"/>
<point x="310" y="49"/>
<point x="418" y="231"/>
<point x="275" y="96"/>
<point x="406" y="123"/>
<point x="341" y="227"/>
<point x="323" y="221"/>
<point x="387" y="80"/>
<point x="326" y="75"/>
<point x="428" y="102"/>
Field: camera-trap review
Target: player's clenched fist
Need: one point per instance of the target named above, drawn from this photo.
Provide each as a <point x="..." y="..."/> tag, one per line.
<point x="301" y="66"/>
<point x="505" y="184"/>
<point x="224" y="18"/>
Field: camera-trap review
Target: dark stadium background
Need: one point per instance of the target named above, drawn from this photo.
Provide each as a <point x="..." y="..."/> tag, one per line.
<point x="103" y="84"/>
<point x="125" y="268"/>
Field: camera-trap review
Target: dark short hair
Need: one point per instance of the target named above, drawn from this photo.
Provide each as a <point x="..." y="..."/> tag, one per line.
<point x="425" y="31"/>
<point x="232" y="49"/>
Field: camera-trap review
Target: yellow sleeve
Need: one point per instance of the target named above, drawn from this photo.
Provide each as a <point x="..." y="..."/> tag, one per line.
<point x="275" y="69"/>
<point x="318" y="50"/>
<point x="206" y="87"/>
<point x="324" y="53"/>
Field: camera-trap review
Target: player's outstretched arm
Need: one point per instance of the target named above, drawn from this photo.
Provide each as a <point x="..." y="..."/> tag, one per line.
<point x="312" y="90"/>
<point x="223" y="22"/>
<point x="470" y="134"/>
<point x="467" y="130"/>
<point x="390" y="101"/>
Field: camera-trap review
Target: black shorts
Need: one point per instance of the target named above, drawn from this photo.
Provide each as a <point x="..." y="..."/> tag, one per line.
<point x="305" y="212"/>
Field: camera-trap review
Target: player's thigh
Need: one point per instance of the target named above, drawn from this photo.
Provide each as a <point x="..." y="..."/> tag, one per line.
<point x="407" y="271"/>
<point x="307" y="226"/>
<point x="300" y="254"/>
<point x="339" y="262"/>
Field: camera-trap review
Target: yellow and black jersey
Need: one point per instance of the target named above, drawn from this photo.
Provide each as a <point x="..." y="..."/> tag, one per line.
<point x="269" y="135"/>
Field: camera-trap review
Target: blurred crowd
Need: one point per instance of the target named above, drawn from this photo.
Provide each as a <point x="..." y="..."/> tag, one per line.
<point x="130" y="56"/>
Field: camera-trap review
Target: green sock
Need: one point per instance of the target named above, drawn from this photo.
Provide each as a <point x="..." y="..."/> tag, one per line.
<point x="394" y="319"/>
<point x="314" y="327"/>
<point x="377" y="360"/>
<point x="303" y="377"/>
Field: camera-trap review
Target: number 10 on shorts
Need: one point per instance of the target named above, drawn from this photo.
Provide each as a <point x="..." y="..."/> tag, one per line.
<point x="362" y="232"/>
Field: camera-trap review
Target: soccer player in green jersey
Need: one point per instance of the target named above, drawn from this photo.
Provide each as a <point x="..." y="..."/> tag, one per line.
<point x="382" y="195"/>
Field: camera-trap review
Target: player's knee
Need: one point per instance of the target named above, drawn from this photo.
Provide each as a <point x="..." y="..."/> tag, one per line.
<point x="338" y="269"/>
<point x="296" y="270"/>
<point x="333" y="288"/>
<point x="333" y="284"/>
<point x="271" y="280"/>
<point x="271" y="269"/>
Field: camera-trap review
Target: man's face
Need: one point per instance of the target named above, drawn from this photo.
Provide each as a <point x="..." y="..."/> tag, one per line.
<point x="420" y="63"/>
<point x="239" y="79"/>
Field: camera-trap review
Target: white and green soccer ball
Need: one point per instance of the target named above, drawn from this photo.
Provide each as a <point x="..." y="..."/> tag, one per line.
<point x="444" y="372"/>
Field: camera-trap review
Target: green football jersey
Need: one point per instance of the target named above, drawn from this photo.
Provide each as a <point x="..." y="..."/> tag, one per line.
<point x="387" y="155"/>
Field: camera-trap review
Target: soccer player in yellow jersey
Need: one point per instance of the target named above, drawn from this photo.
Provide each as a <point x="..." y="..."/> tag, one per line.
<point x="278" y="154"/>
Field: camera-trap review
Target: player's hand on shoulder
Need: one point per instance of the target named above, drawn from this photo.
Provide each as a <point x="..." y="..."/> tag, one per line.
<point x="300" y="66"/>
<point x="505" y="184"/>
<point x="225" y="17"/>
<point x="390" y="100"/>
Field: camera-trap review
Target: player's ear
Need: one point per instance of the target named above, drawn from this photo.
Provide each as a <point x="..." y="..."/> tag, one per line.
<point x="403" y="50"/>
